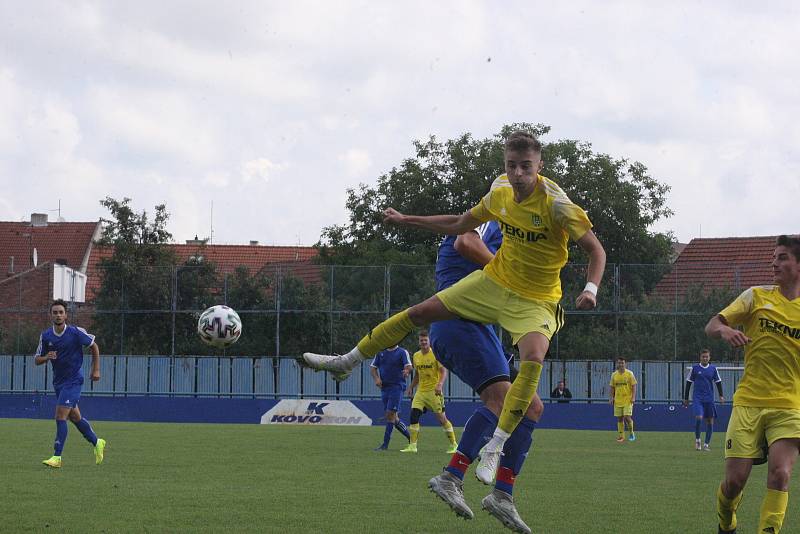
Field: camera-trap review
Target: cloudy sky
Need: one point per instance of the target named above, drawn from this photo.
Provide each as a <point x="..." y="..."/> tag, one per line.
<point x="272" y="109"/>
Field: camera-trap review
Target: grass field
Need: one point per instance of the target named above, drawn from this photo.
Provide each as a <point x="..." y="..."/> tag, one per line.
<point x="264" y="478"/>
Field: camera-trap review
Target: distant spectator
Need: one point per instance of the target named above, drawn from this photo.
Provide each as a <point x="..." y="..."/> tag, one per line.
<point x="561" y="393"/>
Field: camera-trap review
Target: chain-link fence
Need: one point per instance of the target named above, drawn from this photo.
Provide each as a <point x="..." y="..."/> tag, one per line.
<point x="645" y="312"/>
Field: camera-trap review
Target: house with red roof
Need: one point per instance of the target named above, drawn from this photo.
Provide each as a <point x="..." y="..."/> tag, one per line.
<point x="32" y="252"/>
<point x="34" y="255"/>
<point x="719" y="263"/>
<point x="296" y="260"/>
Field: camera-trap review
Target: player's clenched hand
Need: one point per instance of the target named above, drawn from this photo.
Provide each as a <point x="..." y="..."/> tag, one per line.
<point x="95" y="376"/>
<point x="392" y="216"/>
<point x="586" y="301"/>
<point x="51" y="355"/>
<point x="733" y="337"/>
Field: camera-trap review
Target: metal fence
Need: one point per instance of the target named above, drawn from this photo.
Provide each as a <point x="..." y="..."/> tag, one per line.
<point x="645" y="312"/>
<point x="283" y="378"/>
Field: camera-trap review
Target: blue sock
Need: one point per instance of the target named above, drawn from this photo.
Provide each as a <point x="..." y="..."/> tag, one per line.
<point x="477" y="432"/>
<point x="61" y="437"/>
<point x="387" y="434"/>
<point x="86" y="429"/>
<point x="697" y="429"/>
<point x="515" y="451"/>
<point x="709" y="431"/>
<point x="401" y="426"/>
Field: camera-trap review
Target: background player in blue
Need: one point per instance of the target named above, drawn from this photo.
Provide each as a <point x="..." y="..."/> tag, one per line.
<point x="703" y="375"/>
<point x="389" y="370"/>
<point x="474" y="353"/>
<point x="62" y="346"/>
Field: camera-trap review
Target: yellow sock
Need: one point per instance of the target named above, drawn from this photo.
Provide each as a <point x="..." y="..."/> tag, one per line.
<point x="621" y="429"/>
<point x="448" y="429"/>
<point x="726" y="509"/>
<point x="773" y="508"/>
<point x="520" y="395"/>
<point x="387" y="334"/>
<point x="630" y="426"/>
<point x="414" y="431"/>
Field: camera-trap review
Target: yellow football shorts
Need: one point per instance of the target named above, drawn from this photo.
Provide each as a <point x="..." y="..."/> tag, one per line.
<point x="750" y="429"/>
<point x="428" y="399"/>
<point x="619" y="411"/>
<point x="479" y="298"/>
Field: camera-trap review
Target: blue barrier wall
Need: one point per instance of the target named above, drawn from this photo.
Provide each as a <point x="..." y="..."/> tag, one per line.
<point x="579" y="416"/>
<point x="282" y="377"/>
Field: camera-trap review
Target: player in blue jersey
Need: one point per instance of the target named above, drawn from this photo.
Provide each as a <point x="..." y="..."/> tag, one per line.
<point x="389" y="370"/>
<point x="703" y="376"/>
<point x="62" y="346"/>
<point x="474" y="353"/>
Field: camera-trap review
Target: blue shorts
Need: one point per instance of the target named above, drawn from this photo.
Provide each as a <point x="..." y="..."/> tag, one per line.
<point x="391" y="395"/>
<point x="706" y="410"/>
<point x="68" y="395"/>
<point x="470" y="350"/>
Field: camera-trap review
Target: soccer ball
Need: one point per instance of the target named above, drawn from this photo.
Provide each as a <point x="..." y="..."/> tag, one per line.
<point x="219" y="326"/>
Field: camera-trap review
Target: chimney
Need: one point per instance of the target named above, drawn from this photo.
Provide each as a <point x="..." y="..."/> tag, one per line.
<point x="196" y="241"/>
<point x="38" y="219"/>
<point x="253" y="243"/>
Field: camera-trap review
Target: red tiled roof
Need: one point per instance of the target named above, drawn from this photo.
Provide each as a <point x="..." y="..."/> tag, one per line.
<point x="226" y="258"/>
<point x="730" y="262"/>
<point x="65" y="241"/>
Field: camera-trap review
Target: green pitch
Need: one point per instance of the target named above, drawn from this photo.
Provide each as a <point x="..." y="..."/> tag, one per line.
<point x="252" y="478"/>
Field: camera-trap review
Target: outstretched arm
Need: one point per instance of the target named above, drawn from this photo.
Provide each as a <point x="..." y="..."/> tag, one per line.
<point x="441" y="224"/>
<point x="587" y="300"/>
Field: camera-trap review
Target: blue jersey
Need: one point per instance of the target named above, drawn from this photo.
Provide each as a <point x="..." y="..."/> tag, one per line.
<point x="452" y="266"/>
<point x="703" y="380"/>
<point x="390" y="364"/>
<point x="69" y="353"/>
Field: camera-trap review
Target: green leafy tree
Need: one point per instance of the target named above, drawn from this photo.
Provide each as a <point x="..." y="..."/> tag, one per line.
<point x="134" y="299"/>
<point x="622" y="199"/>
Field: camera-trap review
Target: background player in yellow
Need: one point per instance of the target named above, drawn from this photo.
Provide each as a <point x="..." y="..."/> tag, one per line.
<point x="766" y="405"/>
<point x="623" y="393"/>
<point x="429" y="378"/>
<point x="519" y="289"/>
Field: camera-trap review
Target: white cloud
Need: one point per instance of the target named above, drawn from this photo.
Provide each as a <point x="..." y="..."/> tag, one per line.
<point x="142" y="100"/>
<point x="356" y="162"/>
<point x="259" y="169"/>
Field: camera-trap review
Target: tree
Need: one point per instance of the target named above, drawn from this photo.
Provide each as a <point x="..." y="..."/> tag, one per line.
<point x="622" y="199"/>
<point x="136" y="281"/>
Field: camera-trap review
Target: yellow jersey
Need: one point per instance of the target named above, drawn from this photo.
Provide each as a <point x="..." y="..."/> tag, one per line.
<point x="623" y="387"/>
<point x="772" y="358"/>
<point x="535" y="236"/>
<point x="427" y="367"/>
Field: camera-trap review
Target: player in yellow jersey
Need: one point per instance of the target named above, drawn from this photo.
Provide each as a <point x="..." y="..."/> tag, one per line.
<point x="429" y="378"/>
<point x="766" y="405"/>
<point x="519" y="289"/>
<point x="622" y="388"/>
